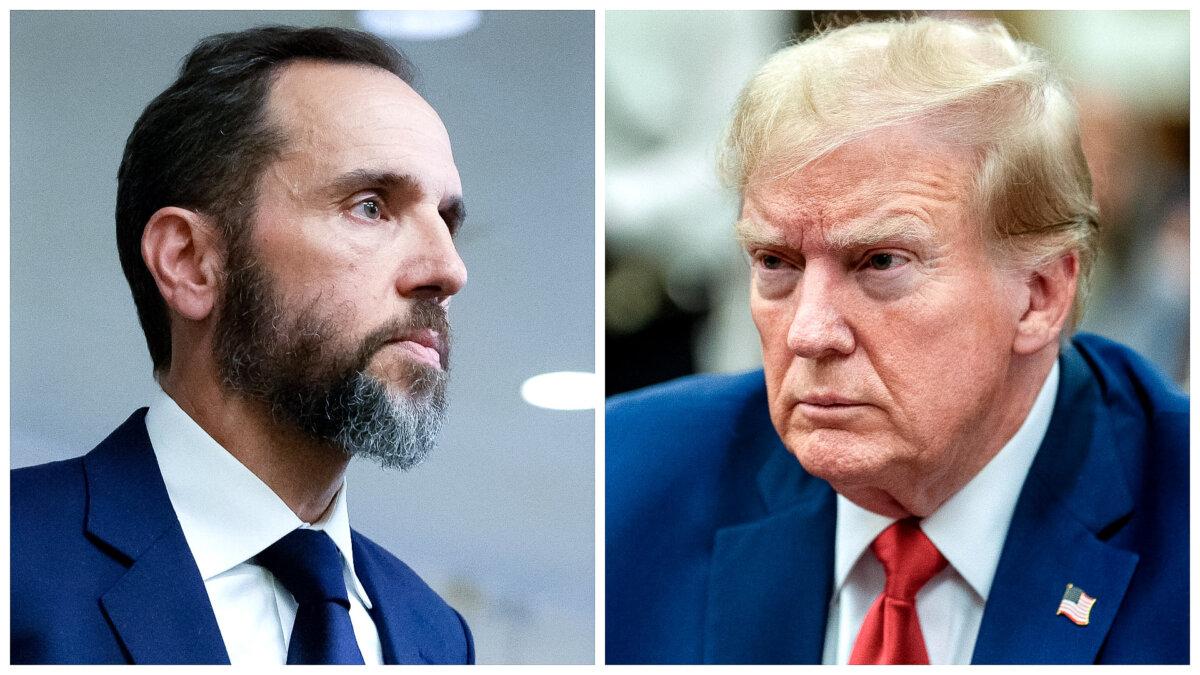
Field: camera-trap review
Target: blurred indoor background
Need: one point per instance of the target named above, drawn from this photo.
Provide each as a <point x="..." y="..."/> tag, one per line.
<point x="677" y="283"/>
<point x="499" y="520"/>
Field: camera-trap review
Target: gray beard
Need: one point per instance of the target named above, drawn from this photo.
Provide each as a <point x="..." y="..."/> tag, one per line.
<point x="395" y="430"/>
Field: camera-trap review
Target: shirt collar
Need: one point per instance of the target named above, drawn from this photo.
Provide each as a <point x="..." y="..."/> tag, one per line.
<point x="228" y="526"/>
<point x="970" y="527"/>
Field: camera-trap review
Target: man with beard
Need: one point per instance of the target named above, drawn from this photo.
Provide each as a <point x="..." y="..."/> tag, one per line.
<point x="285" y="218"/>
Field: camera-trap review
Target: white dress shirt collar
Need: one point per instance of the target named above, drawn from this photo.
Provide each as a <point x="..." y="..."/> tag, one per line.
<point x="227" y="513"/>
<point x="970" y="527"/>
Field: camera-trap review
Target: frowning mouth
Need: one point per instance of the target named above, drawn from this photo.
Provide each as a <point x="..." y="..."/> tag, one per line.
<point x="827" y="400"/>
<point x="823" y="408"/>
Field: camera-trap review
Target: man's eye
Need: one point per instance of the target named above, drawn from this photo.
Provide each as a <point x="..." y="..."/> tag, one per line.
<point x="770" y="262"/>
<point x="885" y="261"/>
<point x="369" y="209"/>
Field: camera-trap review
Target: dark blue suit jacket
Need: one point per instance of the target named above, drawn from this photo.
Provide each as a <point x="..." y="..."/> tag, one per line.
<point x="101" y="572"/>
<point x="720" y="546"/>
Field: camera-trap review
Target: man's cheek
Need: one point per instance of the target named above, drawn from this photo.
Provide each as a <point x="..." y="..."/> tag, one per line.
<point x="772" y="324"/>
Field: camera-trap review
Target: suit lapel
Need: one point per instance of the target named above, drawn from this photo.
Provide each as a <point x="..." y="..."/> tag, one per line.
<point x="159" y="609"/>
<point x="1074" y="492"/>
<point x="388" y="610"/>
<point x="771" y="577"/>
<point x="161" y="615"/>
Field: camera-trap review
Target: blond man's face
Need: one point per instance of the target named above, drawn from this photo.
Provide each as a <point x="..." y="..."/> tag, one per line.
<point x="887" y="329"/>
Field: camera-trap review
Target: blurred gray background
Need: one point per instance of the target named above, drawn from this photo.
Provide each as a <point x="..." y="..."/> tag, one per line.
<point x="500" y="519"/>
<point x="676" y="281"/>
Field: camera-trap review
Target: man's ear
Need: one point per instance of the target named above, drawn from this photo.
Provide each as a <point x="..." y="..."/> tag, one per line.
<point x="1051" y="296"/>
<point x="180" y="249"/>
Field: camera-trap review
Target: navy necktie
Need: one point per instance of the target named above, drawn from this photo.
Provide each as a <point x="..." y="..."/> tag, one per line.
<point x="309" y="566"/>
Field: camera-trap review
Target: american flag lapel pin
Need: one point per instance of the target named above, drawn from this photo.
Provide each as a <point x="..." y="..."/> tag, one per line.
<point x="1076" y="605"/>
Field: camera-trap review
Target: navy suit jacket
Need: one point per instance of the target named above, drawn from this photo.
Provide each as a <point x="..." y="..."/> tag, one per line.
<point x="101" y="572"/>
<point x="720" y="546"/>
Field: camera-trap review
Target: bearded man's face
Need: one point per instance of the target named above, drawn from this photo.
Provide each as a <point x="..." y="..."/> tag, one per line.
<point x="336" y="285"/>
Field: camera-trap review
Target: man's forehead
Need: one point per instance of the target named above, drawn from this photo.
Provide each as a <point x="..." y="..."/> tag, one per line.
<point x="309" y="97"/>
<point x="314" y="80"/>
<point x="883" y="186"/>
<point x="341" y="118"/>
<point x="915" y="151"/>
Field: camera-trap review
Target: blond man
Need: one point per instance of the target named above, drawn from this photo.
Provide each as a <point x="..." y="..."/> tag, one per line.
<point x="930" y="468"/>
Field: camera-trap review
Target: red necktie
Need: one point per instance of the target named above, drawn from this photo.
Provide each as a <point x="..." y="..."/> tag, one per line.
<point x="891" y="633"/>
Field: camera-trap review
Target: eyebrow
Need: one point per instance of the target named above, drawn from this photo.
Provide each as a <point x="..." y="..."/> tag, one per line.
<point x="363" y="179"/>
<point x="453" y="211"/>
<point x="750" y="233"/>
<point x="895" y="227"/>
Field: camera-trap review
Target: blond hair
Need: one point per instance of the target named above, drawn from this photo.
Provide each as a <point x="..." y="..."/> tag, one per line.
<point x="968" y="83"/>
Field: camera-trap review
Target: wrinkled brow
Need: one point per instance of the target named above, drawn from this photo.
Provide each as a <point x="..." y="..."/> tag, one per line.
<point x="750" y="234"/>
<point x="895" y="228"/>
<point x="900" y="228"/>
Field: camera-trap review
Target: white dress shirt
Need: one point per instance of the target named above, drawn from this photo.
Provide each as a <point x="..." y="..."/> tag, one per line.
<point x="969" y="529"/>
<point x="228" y="516"/>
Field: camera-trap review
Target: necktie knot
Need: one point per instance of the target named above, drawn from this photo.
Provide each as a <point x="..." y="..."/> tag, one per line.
<point x="909" y="559"/>
<point x="309" y="565"/>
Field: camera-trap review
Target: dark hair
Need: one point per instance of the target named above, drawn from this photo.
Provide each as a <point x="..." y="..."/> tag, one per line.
<point x="204" y="142"/>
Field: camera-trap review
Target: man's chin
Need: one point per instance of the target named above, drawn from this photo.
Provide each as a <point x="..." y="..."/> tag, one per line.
<point x="389" y="423"/>
<point x="414" y="382"/>
<point x="839" y="457"/>
<point x="868" y="470"/>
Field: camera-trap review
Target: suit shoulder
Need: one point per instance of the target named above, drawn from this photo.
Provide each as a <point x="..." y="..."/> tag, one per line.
<point x="46" y="491"/>
<point x="684" y="427"/>
<point x="1133" y="388"/>
<point x="47" y="504"/>
<point x="680" y="435"/>
<point x="684" y="401"/>
<point x="1123" y="372"/>
<point x="442" y="633"/>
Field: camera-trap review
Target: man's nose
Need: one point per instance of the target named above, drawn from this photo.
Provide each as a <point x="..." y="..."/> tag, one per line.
<point x="431" y="268"/>
<point x="819" y="329"/>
